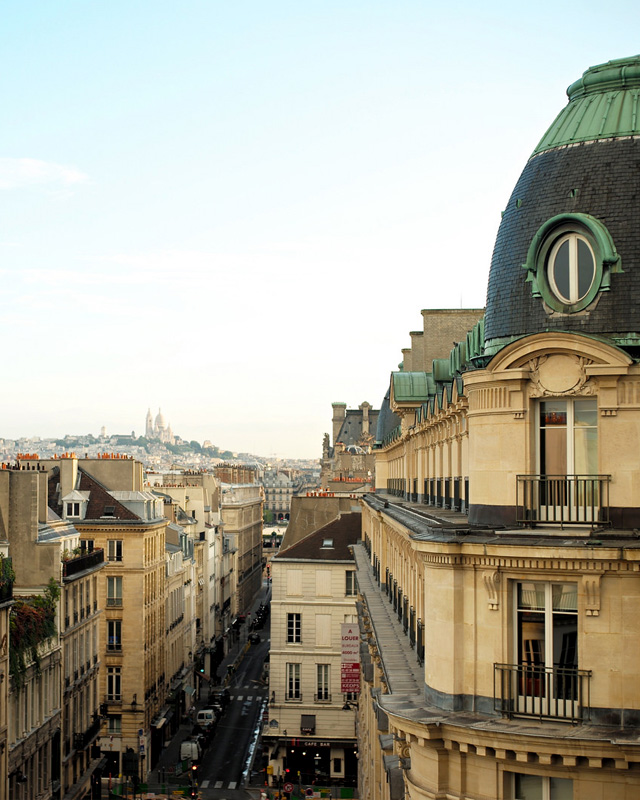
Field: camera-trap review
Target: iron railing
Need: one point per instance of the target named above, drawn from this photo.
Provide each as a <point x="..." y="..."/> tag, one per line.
<point x="563" y="499"/>
<point x="525" y="690"/>
<point x="82" y="562"/>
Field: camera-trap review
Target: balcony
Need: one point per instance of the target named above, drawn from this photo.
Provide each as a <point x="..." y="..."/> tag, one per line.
<point x="562" y="499"/>
<point x="523" y="690"/>
<point x="82" y="740"/>
<point x="82" y="562"/>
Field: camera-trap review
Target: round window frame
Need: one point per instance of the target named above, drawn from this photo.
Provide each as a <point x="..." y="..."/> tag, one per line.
<point x="548" y="255"/>
<point x="606" y="259"/>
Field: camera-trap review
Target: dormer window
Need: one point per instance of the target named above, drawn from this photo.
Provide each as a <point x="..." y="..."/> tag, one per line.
<point x="73" y="510"/>
<point x="570" y="261"/>
<point x="74" y="505"/>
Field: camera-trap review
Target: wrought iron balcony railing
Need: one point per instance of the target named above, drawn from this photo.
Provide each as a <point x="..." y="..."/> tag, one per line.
<point x="563" y="499"/>
<point x="82" y="562"/>
<point x="524" y="690"/>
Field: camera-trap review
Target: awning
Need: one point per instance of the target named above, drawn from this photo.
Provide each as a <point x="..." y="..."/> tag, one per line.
<point x="160" y="722"/>
<point x="189" y="690"/>
<point x="307" y="723"/>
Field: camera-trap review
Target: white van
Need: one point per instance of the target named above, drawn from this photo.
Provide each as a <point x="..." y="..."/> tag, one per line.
<point x="190" y="750"/>
<point x="206" y="718"/>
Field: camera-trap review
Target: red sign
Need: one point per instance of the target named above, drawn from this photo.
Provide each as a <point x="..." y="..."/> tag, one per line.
<point x="349" y="678"/>
<point x="288" y="787"/>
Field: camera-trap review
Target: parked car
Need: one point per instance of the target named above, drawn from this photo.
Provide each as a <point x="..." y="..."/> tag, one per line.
<point x="219" y="697"/>
<point x="254" y="638"/>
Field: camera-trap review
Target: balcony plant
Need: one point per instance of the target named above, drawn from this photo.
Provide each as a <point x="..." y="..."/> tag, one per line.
<point x="32" y="623"/>
<point x="7" y="575"/>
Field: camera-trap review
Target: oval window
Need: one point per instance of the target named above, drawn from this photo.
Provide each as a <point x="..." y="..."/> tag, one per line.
<point x="571" y="268"/>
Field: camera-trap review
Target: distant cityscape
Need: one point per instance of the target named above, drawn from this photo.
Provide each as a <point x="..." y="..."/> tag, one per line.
<point x="159" y="449"/>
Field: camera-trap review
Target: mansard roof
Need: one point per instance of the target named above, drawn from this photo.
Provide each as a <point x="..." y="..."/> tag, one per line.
<point x="341" y="532"/>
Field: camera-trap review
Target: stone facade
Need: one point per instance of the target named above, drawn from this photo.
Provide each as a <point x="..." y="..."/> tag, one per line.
<point x="503" y="530"/>
<point x="309" y="728"/>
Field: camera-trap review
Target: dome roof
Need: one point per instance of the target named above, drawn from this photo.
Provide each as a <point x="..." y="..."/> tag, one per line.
<point x="567" y="254"/>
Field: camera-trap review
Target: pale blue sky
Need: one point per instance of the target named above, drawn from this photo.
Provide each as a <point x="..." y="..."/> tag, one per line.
<point x="236" y="210"/>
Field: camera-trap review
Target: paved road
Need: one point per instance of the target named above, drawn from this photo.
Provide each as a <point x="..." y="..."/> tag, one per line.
<point x="229" y="754"/>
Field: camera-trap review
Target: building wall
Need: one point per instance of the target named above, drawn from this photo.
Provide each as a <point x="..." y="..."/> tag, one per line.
<point x="316" y="591"/>
<point x="241" y="510"/>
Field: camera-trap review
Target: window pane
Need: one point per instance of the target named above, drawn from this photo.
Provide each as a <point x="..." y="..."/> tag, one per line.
<point x="528" y="787"/>
<point x="553" y="413"/>
<point x="531" y="595"/>
<point x="560" y="270"/>
<point x="586" y="412"/>
<point x="564" y="596"/>
<point x="586" y="268"/>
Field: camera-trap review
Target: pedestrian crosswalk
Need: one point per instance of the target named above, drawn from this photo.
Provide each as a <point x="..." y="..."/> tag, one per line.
<point x="221" y="785"/>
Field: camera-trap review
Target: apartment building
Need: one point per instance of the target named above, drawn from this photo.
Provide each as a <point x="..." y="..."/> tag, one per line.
<point x="197" y="494"/>
<point x="54" y="704"/>
<point x="7" y="577"/>
<point x="241" y="510"/>
<point x="501" y="545"/>
<point x="313" y="695"/>
<point x="106" y="501"/>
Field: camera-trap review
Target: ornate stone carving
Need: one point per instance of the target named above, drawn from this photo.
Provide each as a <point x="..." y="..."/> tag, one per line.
<point x="491" y="584"/>
<point x="558" y="375"/>
<point x="591" y="585"/>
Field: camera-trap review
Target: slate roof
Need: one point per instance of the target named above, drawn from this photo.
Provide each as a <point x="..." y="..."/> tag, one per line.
<point x="593" y="172"/>
<point x="99" y="498"/>
<point x="351" y="429"/>
<point x="343" y="531"/>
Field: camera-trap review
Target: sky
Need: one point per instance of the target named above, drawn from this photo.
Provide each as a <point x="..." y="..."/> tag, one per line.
<point x="235" y="211"/>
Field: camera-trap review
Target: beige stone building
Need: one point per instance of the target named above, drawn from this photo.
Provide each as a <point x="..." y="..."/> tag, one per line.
<point x="6" y="601"/>
<point x="241" y="510"/>
<point x="501" y="544"/>
<point x="54" y="718"/>
<point x="105" y="500"/>
<point x="197" y="494"/>
<point x="311" y="727"/>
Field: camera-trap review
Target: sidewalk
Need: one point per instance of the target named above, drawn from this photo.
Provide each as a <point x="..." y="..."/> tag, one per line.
<point x="170" y="756"/>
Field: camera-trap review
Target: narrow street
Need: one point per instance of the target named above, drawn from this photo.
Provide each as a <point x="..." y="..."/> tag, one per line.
<point x="227" y="756"/>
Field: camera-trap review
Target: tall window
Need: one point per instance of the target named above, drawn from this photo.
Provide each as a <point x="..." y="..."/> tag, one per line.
<point x="114" y="634"/>
<point x="114" y="684"/>
<point x="114" y="591"/>
<point x="114" y="724"/>
<point x="114" y="549"/>
<point x="323" y="682"/>
<point x="547" y="645"/>
<point x="538" y="787"/>
<point x="569" y="437"/>
<point x="350" y="584"/>
<point x="294" y="628"/>
<point x="293" y="682"/>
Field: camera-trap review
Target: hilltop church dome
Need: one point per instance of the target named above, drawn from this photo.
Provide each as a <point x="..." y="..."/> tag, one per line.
<point x="567" y="253"/>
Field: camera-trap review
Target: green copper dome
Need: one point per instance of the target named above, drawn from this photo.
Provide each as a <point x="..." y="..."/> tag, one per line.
<point x="603" y="104"/>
